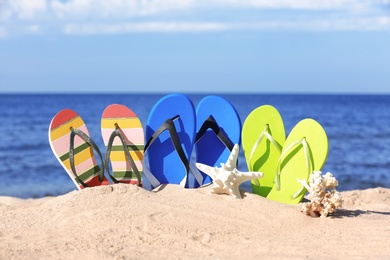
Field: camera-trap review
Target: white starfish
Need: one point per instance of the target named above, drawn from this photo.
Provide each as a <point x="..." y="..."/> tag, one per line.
<point x="227" y="179"/>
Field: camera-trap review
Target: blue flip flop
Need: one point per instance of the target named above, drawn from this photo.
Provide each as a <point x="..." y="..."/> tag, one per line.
<point x="169" y="137"/>
<point x="218" y="129"/>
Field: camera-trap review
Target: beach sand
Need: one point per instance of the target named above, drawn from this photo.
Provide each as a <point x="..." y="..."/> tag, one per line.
<point x="127" y="222"/>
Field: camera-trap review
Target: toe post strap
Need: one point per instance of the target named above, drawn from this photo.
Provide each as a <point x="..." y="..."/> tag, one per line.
<point x="170" y="126"/>
<point x="118" y="133"/>
<point x="210" y="123"/>
<point x="88" y="140"/>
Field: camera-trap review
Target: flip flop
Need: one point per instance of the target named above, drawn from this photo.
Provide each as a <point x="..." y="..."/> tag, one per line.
<point x="304" y="151"/>
<point x="70" y="142"/>
<point x="169" y="136"/>
<point x="263" y="136"/>
<point x="123" y="136"/>
<point x="218" y="130"/>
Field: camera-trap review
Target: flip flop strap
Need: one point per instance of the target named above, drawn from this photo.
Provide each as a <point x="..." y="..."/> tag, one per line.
<point x="264" y="133"/>
<point x="91" y="143"/>
<point x="210" y="123"/>
<point x="118" y="133"/>
<point x="306" y="151"/>
<point x="170" y="126"/>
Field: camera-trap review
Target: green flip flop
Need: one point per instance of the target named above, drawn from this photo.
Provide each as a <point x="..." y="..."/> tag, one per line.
<point x="304" y="151"/>
<point x="263" y="136"/>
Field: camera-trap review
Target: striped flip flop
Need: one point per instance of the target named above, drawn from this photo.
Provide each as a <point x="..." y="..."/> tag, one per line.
<point x="70" y="142"/>
<point x="123" y="136"/>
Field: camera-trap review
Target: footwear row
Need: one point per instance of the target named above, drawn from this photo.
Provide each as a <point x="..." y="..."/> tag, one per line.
<point x="177" y="135"/>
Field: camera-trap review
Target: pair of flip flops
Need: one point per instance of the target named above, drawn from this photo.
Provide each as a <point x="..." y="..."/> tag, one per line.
<point x="282" y="160"/>
<point x="123" y="136"/>
<point x="175" y="129"/>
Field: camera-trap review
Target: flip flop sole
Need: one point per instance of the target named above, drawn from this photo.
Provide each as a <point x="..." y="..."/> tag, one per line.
<point x="209" y="149"/>
<point x="265" y="156"/>
<point x="164" y="161"/>
<point x="133" y="133"/>
<point x="294" y="165"/>
<point x="84" y="159"/>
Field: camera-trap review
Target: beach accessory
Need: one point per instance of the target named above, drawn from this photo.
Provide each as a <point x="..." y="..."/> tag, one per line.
<point x="123" y="136"/>
<point x="218" y="129"/>
<point x="227" y="179"/>
<point x="70" y="142"/>
<point x="323" y="196"/>
<point x="169" y="136"/>
<point x="263" y="136"/>
<point x="304" y="151"/>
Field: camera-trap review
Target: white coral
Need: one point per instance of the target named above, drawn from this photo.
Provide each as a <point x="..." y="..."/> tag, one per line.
<point x="323" y="196"/>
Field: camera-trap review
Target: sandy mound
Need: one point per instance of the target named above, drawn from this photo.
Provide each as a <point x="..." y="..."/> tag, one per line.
<point x="127" y="222"/>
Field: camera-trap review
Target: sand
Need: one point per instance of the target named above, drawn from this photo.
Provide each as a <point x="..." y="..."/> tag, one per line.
<point x="127" y="222"/>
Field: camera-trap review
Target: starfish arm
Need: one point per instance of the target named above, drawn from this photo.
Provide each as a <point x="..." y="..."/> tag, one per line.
<point x="246" y="176"/>
<point x="219" y="190"/>
<point x="227" y="179"/>
<point x="232" y="160"/>
<point x="218" y="184"/>
<point x="234" y="191"/>
<point x="210" y="171"/>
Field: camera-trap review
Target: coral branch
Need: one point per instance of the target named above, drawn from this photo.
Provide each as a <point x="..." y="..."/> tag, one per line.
<point x="323" y="196"/>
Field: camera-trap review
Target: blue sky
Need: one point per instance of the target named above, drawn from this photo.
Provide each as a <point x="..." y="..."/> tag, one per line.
<point x="264" y="46"/>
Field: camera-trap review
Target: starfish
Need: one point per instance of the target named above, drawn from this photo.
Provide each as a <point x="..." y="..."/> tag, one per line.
<point x="227" y="179"/>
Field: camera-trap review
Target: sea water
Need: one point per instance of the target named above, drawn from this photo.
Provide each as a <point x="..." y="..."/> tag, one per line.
<point x="358" y="128"/>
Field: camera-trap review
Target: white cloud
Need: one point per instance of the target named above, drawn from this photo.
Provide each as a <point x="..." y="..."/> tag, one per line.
<point x="71" y="9"/>
<point x="23" y="9"/>
<point x="28" y="9"/>
<point x="117" y="8"/>
<point x="340" y="24"/>
<point x="142" y="27"/>
<point x="130" y="16"/>
<point x="288" y="4"/>
<point x="34" y="28"/>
